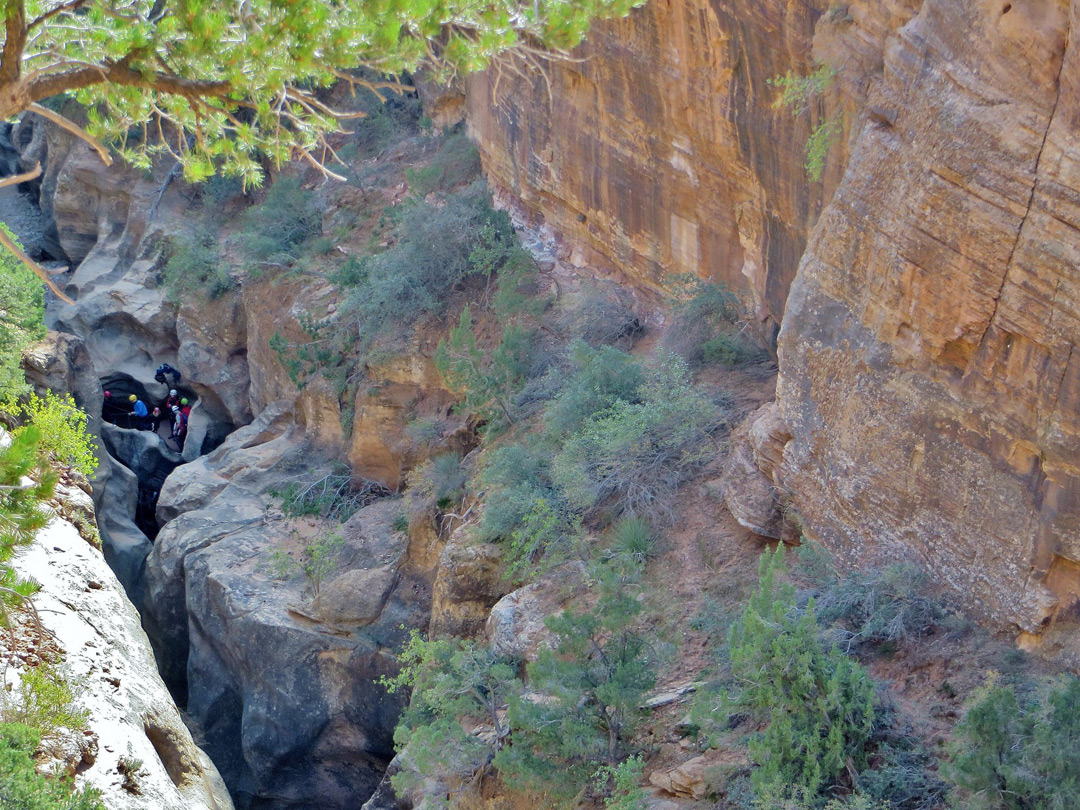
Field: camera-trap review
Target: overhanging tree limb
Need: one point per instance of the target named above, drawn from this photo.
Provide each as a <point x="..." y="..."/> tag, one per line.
<point x="244" y="78"/>
<point x="6" y="241"/>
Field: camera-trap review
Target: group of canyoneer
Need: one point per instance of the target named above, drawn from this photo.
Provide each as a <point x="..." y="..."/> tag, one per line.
<point x="137" y="416"/>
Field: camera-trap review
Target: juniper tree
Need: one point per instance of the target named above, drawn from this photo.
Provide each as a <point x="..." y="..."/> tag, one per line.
<point x="218" y="85"/>
<point x="585" y="695"/>
<point x="486" y="380"/>
<point x="1019" y="755"/>
<point x="451" y="682"/>
<point x="816" y="704"/>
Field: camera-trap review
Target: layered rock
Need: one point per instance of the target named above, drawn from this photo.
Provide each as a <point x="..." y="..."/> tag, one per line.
<point x="656" y="148"/>
<point x="927" y="368"/>
<point x="283" y="685"/>
<point x="105" y="651"/>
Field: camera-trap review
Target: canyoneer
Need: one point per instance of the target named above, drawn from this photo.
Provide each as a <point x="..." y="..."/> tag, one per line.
<point x="138" y="413"/>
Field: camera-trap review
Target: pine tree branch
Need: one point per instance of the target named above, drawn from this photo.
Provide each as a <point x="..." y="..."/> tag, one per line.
<point x="39" y="271"/>
<point x="25" y="177"/>
<point x="74" y="129"/>
<point x="60" y="9"/>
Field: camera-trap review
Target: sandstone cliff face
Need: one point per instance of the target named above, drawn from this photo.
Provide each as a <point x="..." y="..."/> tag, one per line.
<point x="656" y="149"/>
<point x="927" y="368"/>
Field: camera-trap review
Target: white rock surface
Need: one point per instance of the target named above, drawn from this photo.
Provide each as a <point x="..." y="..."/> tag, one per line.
<point x="83" y="606"/>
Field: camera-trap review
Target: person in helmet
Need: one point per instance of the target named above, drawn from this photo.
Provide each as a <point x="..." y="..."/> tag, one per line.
<point x="154" y="420"/>
<point x="172" y="399"/>
<point x="185" y="407"/>
<point x="138" y="413"/>
<point x="110" y="410"/>
<point x="179" y="429"/>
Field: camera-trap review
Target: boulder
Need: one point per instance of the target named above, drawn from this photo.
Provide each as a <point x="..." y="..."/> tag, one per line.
<point x="516" y="628"/>
<point x="749" y="486"/>
<point x="282" y="681"/>
<point x="469" y="581"/>
<point x="702" y="776"/>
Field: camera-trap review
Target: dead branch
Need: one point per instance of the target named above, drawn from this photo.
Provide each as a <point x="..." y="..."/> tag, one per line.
<point x="25" y="177"/>
<point x="39" y="271"/>
<point x="74" y="129"/>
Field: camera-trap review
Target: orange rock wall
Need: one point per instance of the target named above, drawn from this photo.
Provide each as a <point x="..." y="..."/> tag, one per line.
<point x="928" y="375"/>
<point x="655" y="148"/>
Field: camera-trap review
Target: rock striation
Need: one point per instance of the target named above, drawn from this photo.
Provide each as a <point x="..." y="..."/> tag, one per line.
<point x="656" y="149"/>
<point x="927" y="370"/>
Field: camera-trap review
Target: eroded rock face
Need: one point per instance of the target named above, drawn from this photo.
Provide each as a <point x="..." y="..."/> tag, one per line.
<point x="283" y="685"/>
<point x="83" y="607"/>
<point x="927" y="368"/>
<point x="657" y="148"/>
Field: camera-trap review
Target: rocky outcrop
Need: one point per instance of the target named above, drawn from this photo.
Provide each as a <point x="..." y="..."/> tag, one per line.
<point x="515" y="626"/>
<point x="656" y="148"/>
<point x="751" y="484"/>
<point x="283" y="682"/>
<point x="131" y="715"/>
<point x="928" y="376"/>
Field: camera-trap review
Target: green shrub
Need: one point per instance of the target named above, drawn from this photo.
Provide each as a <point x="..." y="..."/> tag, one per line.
<point x="456" y="162"/>
<point x="194" y="267"/>
<point x="602" y="314"/>
<point x="792" y="797"/>
<point x="819" y="143"/>
<point x="450" y="680"/>
<point x="594" y="382"/>
<point x="332" y="494"/>
<point x="1019" y="754"/>
<point x="800" y="94"/>
<point x="62" y="424"/>
<point x="218" y="190"/>
<point x="351" y="273"/>
<point x="384" y="124"/>
<point x="44" y="701"/>
<point x="904" y="777"/>
<point x="486" y="380"/>
<point x="634" y="538"/>
<point x="319" y="558"/>
<point x="321" y="245"/>
<point x="431" y="258"/>
<point x="21" y="318"/>
<point x="544" y="532"/>
<point x="818" y="703"/>
<point x="275" y="230"/>
<point x="626" y="792"/>
<point x="705" y="324"/>
<point x="587" y="693"/>
<point x="637" y="453"/>
<point x="438" y="483"/>
<point x="23" y="788"/>
<point x="873" y="606"/>
<point x="514" y="479"/>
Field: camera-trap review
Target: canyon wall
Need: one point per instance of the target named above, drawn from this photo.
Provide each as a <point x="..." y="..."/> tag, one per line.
<point x="927" y="368"/>
<point x="927" y="377"/>
<point x="656" y="149"/>
<point x="91" y="627"/>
